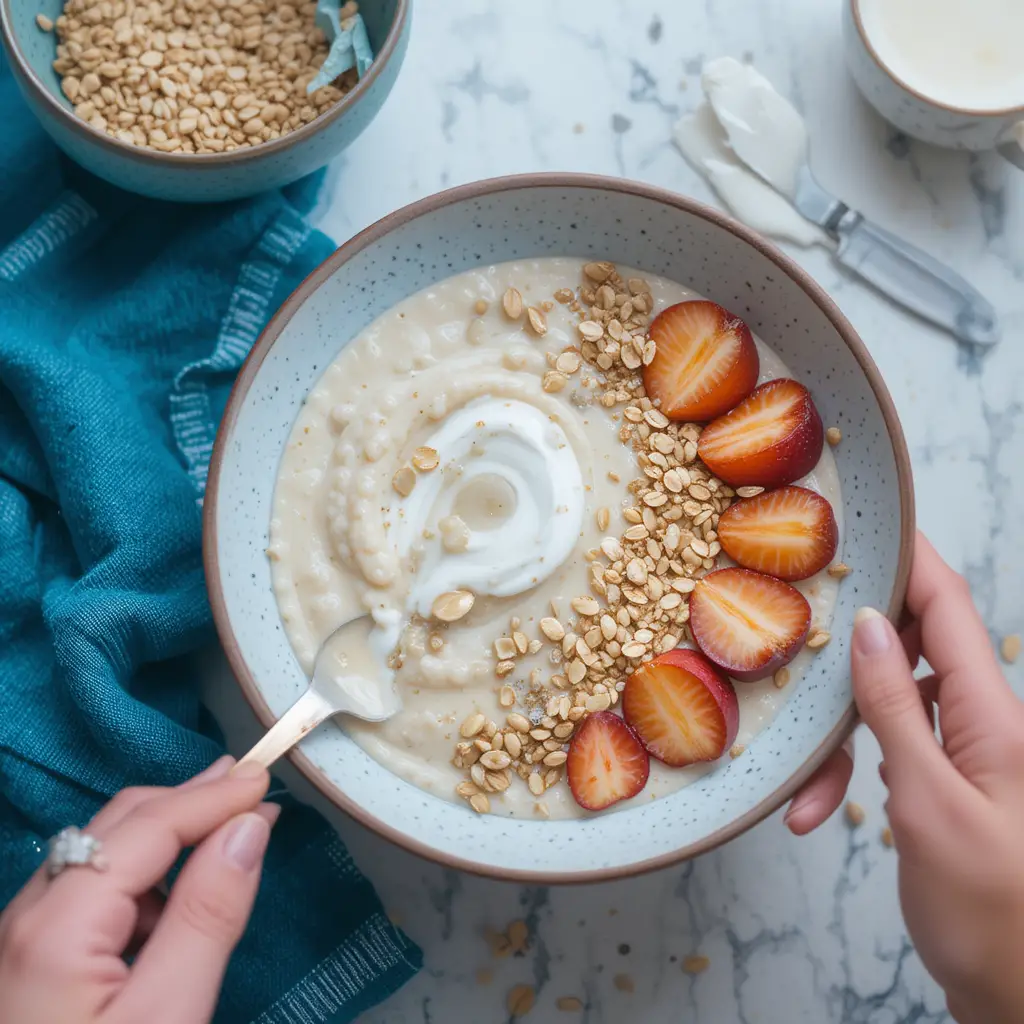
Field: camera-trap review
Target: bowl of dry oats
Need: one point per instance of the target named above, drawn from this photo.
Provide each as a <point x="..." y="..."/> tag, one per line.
<point x="600" y="478"/>
<point x="204" y="101"/>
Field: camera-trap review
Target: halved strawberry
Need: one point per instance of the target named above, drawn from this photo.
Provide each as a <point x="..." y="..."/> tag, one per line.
<point x="773" y="437"/>
<point x="747" y="623"/>
<point x="790" y="533"/>
<point x="706" y="361"/>
<point x="682" y="707"/>
<point x="607" y="762"/>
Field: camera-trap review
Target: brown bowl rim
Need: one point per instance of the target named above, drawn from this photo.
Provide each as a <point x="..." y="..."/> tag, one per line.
<point x="200" y="161"/>
<point x="272" y="332"/>
<point x="999" y="112"/>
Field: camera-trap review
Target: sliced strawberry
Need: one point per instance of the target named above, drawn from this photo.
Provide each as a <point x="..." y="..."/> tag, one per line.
<point x="790" y="533"/>
<point x="607" y="763"/>
<point x="747" y="623"/>
<point x="706" y="361"/>
<point x="771" y="438"/>
<point x="682" y="707"/>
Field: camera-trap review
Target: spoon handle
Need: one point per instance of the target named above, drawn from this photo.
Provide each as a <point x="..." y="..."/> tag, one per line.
<point x="300" y="719"/>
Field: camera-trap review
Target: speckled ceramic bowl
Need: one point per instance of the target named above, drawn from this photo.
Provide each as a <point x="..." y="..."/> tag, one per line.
<point x="207" y="177"/>
<point x="599" y="218"/>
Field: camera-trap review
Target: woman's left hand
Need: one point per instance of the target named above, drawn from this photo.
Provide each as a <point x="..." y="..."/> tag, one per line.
<point x="63" y="939"/>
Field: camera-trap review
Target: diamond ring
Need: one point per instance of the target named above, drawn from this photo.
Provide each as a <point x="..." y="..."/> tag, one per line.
<point x="72" y="847"/>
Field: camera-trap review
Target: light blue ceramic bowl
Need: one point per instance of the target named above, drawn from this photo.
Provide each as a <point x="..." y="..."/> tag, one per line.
<point x="519" y="218"/>
<point x="207" y="177"/>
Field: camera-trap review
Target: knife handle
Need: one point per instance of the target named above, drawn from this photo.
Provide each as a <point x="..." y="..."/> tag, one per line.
<point x="916" y="280"/>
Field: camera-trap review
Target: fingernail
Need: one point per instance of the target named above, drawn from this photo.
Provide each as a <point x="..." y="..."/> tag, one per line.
<point x="246" y="841"/>
<point x="219" y="768"/>
<point x="248" y="770"/>
<point x="872" y="634"/>
<point x="800" y="804"/>
<point x="269" y="812"/>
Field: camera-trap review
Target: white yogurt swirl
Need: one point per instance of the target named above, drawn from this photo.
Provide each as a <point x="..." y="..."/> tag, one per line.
<point x="493" y="439"/>
<point x="495" y="430"/>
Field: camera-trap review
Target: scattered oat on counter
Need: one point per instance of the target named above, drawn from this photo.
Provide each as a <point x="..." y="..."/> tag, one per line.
<point x="569" y="1004"/>
<point x="855" y="814"/>
<point x="839" y="571"/>
<point x="518" y="936"/>
<point x="498" y="942"/>
<point x="1010" y="648"/>
<point x="696" y="964"/>
<point x="520" y="1000"/>
<point x="624" y="983"/>
<point x="781" y="678"/>
<point x="202" y="77"/>
<point x="887" y="839"/>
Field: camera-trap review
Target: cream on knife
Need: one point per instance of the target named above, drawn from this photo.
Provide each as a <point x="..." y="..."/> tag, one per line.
<point x="745" y="124"/>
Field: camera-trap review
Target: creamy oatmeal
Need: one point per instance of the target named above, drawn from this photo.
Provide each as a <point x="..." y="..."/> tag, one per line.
<point x="454" y="477"/>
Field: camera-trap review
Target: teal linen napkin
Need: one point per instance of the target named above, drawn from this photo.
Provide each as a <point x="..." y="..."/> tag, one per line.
<point x="122" y="323"/>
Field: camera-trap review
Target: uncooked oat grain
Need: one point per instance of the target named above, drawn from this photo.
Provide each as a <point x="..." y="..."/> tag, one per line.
<point x="537" y="321"/>
<point x="425" y="459"/>
<point x="696" y="964"/>
<point x="520" y="1000"/>
<point x="512" y="303"/>
<point x="452" y="605"/>
<point x="203" y="78"/>
<point x="1010" y="648"/>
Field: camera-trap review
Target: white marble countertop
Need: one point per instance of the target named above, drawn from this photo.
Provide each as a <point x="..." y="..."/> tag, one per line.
<point x="795" y="929"/>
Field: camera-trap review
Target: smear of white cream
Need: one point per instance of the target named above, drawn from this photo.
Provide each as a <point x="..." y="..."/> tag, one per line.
<point x="743" y="109"/>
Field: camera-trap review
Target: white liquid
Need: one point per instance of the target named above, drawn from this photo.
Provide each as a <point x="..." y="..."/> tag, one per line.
<point x="319" y="551"/>
<point x="961" y="53"/>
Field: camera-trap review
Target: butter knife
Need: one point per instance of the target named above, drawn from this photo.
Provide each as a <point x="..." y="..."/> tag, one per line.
<point x="896" y="268"/>
<point x="901" y="271"/>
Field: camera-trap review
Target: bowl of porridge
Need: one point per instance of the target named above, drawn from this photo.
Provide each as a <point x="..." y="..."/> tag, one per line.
<point x="600" y="478"/>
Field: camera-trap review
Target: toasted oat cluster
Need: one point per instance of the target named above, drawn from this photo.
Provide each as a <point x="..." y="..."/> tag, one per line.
<point x="639" y="577"/>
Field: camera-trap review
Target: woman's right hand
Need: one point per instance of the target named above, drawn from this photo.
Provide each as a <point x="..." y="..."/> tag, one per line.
<point x="956" y="806"/>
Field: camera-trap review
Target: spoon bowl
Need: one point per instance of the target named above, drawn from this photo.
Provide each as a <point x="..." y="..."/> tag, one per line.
<point x="332" y="691"/>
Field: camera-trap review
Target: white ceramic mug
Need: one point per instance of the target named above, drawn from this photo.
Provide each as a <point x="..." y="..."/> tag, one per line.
<point x="917" y="115"/>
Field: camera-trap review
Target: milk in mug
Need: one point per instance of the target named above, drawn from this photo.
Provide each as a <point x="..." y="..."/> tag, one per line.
<point x="967" y="54"/>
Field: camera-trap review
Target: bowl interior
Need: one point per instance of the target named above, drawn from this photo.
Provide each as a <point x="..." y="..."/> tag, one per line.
<point x="39" y="48"/>
<point x="599" y="219"/>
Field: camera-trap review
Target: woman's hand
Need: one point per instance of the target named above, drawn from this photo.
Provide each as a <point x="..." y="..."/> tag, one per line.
<point x="62" y="939"/>
<point x="956" y="807"/>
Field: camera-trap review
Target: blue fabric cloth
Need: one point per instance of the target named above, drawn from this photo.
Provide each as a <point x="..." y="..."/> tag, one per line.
<point x="122" y="322"/>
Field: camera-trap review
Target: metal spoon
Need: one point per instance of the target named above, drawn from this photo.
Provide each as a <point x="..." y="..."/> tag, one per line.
<point x="333" y="690"/>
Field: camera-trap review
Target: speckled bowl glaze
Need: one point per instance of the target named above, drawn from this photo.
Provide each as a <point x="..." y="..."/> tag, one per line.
<point x="598" y="218"/>
<point x="207" y="177"/>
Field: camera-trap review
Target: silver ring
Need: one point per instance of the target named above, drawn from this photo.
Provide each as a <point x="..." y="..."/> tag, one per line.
<point x="71" y="847"/>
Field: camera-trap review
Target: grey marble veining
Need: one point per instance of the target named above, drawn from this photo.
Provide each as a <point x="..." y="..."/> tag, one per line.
<point x="801" y="930"/>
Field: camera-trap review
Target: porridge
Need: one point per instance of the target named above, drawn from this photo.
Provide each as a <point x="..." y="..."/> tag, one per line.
<point x="547" y="492"/>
